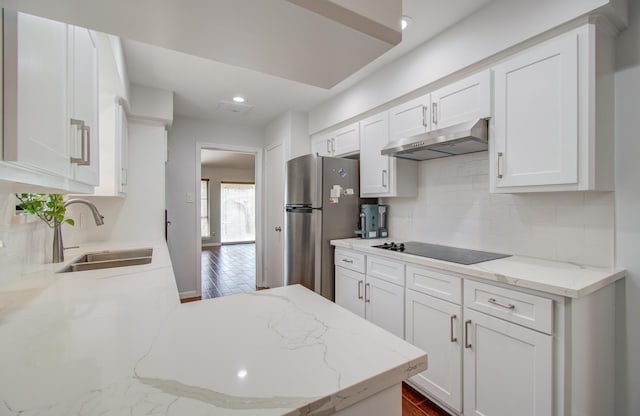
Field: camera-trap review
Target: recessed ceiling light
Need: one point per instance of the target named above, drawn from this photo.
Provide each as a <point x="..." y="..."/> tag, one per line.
<point x="239" y="99"/>
<point x="406" y="22"/>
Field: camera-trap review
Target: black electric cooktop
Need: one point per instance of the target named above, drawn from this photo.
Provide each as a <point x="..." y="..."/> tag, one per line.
<point x="434" y="251"/>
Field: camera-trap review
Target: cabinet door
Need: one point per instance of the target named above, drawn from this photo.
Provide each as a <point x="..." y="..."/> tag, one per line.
<point x="434" y="326"/>
<point x="350" y="290"/>
<point x="375" y="169"/>
<point x="84" y="105"/>
<point x="465" y="100"/>
<point x="508" y="368"/>
<point x="385" y="305"/>
<point x="35" y="93"/>
<point x="536" y="116"/>
<point x="346" y="140"/>
<point x="321" y="145"/>
<point x="410" y="118"/>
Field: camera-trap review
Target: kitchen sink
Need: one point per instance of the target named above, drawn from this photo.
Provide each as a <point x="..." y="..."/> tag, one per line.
<point x="110" y="259"/>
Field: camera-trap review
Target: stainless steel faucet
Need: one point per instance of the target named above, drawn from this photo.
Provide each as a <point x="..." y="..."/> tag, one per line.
<point x="58" y="246"/>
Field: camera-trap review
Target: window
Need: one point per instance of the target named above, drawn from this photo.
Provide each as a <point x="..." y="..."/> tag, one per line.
<point x="204" y="208"/>
<point x="237" y="206"/>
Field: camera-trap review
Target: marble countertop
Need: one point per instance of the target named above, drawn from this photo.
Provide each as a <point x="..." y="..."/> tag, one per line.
<point x="557" y="278"/>
<point x="117" y="341"/>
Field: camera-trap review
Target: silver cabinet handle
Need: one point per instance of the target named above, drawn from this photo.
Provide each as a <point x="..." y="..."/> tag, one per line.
<point x="360" y="289"/>
<point x="367" y="293"/>
<point x="509" y="306"/>
<point x="452" y="338"/>
<point x="499" y="165"/>
<point x="467" y="344"/>
<point x="279" y="229"/>
<point x="434" y="113"/>
<point x="424" y="116"/>
<point x="347" y="261"/>
<point x="329" y="146"/>
<point x="384" y="178"/>
<point x="123" y="179"/>
<point x="333" y="146"/>
<point x="85" y="131"/>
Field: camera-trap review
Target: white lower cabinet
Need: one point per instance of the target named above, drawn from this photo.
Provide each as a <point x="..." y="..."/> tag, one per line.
<point x="507" y="368"/>
<point x="376" y="299"/>
<point x="434" y="325"/>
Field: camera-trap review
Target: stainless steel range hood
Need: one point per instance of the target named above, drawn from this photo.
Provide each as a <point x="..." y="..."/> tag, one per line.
<point x="467" y="137"/>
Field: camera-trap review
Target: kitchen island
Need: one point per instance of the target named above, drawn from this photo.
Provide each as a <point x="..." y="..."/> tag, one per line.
<point x="117" y="341"/>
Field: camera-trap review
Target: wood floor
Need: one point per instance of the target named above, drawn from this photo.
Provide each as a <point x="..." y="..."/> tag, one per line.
<point x="228" y="269"/>
<point x="415" y="404"/>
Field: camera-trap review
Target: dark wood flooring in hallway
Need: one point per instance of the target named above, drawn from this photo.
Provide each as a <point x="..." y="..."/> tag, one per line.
<point x="228" y="269"/>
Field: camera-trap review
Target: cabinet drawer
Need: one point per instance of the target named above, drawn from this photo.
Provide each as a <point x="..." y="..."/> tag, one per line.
<point x="389" y="270"/>
<point x="435" y="283"/>
<point x="521" y="308"/>
<point x="350" y="260"/>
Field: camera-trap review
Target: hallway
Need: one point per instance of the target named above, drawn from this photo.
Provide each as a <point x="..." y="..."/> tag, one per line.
<point x="228" y="269"/>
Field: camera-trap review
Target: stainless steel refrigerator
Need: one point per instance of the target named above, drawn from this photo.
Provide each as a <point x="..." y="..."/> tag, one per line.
<point x="322" y="204"/>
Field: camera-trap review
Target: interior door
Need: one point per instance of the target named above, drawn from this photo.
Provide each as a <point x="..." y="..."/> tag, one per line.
<point x="274" y="240"/>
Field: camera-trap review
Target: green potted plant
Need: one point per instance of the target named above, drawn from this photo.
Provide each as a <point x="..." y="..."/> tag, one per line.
<point x="51" y="210"/>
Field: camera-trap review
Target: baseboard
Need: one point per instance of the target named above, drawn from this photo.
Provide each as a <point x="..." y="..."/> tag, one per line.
<point x="211" y="244"/>
<point x="188" y="294"/>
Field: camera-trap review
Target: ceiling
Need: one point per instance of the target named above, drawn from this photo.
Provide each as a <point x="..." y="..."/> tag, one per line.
<point x="204" y="68"/>
<point x="226" y="159"/>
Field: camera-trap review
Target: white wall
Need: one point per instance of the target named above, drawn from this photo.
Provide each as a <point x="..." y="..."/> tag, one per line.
<point x="181" y="179"/>
<point x="628" y="213"/>
<point x="217" y="176"/>
<point x="290" y="129"/>
<point x="139" y="216"/>
<point x="500" y="25"/>
<point x="454" y="207"/>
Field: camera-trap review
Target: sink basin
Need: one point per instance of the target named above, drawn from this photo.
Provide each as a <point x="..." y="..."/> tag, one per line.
<point x="109" y="259"/>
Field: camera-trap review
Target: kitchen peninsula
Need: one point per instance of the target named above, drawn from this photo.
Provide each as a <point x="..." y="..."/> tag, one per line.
<point x="117" y="341"/>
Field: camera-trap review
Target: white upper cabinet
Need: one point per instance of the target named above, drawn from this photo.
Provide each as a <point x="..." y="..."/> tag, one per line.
<point x="410" y="118"/>
<point x="36" y="93"/>
<point x="83" y="105"/>
<point x="383" y="175"/>
<point x="338" y="143"/>
<point x="346" y="141"/>
<point x="465" y="100"/>
<point x="553" y="128"/>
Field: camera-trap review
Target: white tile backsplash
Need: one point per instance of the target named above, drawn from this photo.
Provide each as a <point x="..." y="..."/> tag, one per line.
<point x="454" y="207"/>
<point x="27" y="241"/>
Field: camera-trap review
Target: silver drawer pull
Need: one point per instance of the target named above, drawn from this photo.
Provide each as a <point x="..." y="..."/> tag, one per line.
<point x="347" y="261"/>
<point x="452" y="338"/>
<point x="509" y="306"/>
<point x="467" y="344"/>
<point x="367" y="293"/>
<point x="360" y="282"/>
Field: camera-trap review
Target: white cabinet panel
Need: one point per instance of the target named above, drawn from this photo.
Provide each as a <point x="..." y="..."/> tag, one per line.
<point x="410" y="118"/>
<point x="374" y="168"/>
<point x="385" y="305"/>
<point x="346" y="140"/>
<point x="536" y="115"/>
<point x="350" y="260"/>
<point x="321" y="145"/>
<point x="350" y="290"/>
<point x="508" y="369"/>
<point x="435" y="283"/>
<point x="83" y="106"/>
<point x="36" y="93"/>
<point x="434" y="326"/>
<point x="385" y="269"/>
<point x="465" y="100"/>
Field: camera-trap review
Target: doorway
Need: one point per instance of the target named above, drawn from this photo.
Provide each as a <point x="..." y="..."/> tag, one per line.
<point x="227" y="222"/>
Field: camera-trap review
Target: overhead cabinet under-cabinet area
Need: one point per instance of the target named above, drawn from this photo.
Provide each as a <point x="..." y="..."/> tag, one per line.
<point x="50" y="107"/>
<point x="553" y="120"/>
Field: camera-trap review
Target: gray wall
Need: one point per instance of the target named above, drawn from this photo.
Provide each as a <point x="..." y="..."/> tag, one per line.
<point x="217" y="176"/>
<point x="627" y="199"/>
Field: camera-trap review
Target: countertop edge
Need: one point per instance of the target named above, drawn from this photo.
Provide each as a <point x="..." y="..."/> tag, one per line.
<point x="608" y="277"/>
